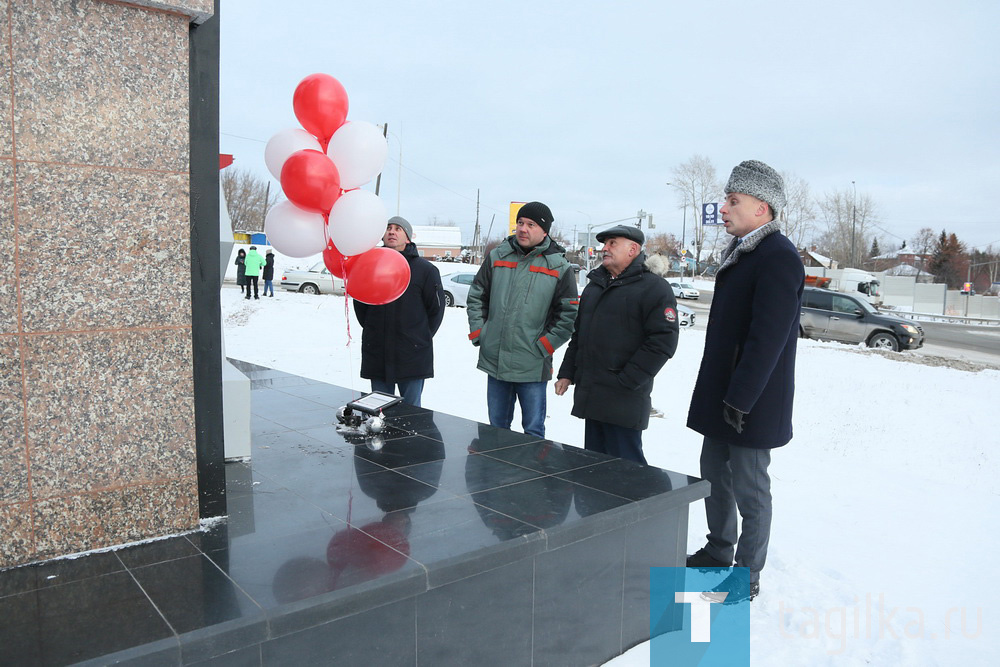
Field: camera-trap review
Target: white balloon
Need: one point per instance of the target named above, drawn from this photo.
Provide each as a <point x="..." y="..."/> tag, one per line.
<point x="283" y="144"/>
<point x="357" y="222"/>
<point x="358" y="149"/>
<point x="294" y="232"/>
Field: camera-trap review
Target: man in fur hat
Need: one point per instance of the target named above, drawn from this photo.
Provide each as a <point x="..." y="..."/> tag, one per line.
<point x="742" y="401"/>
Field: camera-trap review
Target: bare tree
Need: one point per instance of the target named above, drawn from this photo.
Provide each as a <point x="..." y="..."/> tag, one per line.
<point x="663" y="244"/>
<point x="696" y="183"/>
<point x="248" y="199"/>
<point x="800" y="212"/>
<point x="922" y="244"/>
<point x="849" y="225"/>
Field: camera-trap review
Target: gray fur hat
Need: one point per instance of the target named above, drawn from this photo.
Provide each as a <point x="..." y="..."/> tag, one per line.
<point x="404" y="223"/>
<point x="754" y="178"/>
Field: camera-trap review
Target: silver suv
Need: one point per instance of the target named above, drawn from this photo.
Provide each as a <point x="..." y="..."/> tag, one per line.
<point x="830" y="315"/>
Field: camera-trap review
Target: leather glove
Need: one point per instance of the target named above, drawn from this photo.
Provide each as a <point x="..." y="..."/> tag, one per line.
<point x="733" y="417"/>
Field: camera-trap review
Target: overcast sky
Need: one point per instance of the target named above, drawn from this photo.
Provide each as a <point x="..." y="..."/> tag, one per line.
<point x="588" y="106"/>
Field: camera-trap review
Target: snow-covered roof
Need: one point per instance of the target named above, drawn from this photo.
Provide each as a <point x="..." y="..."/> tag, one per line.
<point x="823" y="261"/>
<point x="905" y="270"/>
<point x="430" y="235"/>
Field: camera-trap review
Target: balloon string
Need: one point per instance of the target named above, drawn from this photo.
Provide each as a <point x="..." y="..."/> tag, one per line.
<point x="347" y="311"/>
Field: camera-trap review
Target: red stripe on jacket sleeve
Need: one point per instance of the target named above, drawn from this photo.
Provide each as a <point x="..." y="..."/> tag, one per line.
<point x="475" y="334"/>
<point x="546" y="344"/>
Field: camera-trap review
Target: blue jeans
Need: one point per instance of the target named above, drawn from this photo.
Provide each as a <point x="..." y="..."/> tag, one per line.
<point x="410" y="390"/>
<point x="531" y="396"/>
<point x="613" y="440"/>
<point x="268" y="287"/>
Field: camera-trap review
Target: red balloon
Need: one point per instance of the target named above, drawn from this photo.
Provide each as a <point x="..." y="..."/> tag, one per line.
<point x="320" y="104"/>
<point x="311" y="181"/>
<point x="378" y="276"/>
<point x="338" y="264"/>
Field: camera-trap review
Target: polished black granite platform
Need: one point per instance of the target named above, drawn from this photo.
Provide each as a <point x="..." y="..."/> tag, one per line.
<point x="455" y="543"/>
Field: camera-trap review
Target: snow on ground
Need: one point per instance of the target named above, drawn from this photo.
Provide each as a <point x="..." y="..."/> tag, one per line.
<point x="885" y="502"/>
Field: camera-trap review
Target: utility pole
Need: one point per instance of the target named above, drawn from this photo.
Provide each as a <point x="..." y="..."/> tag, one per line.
<point x="378" y="180"/>
<point x="476" y="238"/>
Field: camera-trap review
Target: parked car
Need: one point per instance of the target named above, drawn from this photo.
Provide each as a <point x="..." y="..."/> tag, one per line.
<point x="315" y="280"/>
<point x="846" y="318"/>
<point x="685" y="316"/>
<point x="684" y="290"/>
<point x="456" y="286"/>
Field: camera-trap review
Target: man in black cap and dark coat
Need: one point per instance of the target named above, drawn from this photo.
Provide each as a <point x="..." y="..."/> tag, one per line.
<point x="397" y="349"/>
<point x="742" y="401"/>
<point x="625" y="331"/>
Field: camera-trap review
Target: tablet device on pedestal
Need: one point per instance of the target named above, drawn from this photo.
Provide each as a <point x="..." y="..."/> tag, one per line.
<point x="374" y="403"/>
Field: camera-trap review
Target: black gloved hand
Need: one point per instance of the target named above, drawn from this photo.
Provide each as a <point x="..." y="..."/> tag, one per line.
<point x="733" y="417"/>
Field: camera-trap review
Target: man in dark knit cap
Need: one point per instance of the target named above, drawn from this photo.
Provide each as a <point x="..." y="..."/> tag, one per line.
<point x="742" y="401"/>
<point x="397" y="350"/>
<point x="521" y="307"/>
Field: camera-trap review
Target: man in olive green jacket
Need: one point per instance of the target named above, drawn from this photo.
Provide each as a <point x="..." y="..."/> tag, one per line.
<point x="522" y="306"/>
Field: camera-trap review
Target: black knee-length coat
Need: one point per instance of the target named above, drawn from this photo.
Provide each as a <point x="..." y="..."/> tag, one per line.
<point x="753" y="328"/>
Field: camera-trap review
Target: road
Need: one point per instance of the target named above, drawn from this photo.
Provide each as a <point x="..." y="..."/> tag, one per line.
<point x="958" y="341"/>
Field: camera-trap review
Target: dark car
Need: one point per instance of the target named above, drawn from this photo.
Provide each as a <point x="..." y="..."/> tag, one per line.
<point x="847" y="318"/>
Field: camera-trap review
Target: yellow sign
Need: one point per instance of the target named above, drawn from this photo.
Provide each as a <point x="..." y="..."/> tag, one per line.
<point x="515" y="206"/>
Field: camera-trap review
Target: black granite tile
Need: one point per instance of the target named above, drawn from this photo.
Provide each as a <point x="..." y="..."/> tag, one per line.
<point x="272" y="511"/>
<point x="656" y="542"/>
<point x="248" y="656"/>
<point x="461" y="434"/>
<point x="57" y="572"/>
<point x="359" y="498"/>
<point x="65" y="624"/>
<point x="162" y="653"/>
<point x="404" y="450"/>
<point x="456" y="538"/>
<point x="544" y="502"/>
<point x="260" y="426"/>
<point x="385" y="636"/>
<point x="484" y="620"/>
<point x="312" y="562"/>
<point x="212" y="615"/>
<point x="157" y="551"/>
<point x="327" y="395"/>
<point x="549" y="457"/>
<point x="580" y="587"/>
<point x="664" y="489"/>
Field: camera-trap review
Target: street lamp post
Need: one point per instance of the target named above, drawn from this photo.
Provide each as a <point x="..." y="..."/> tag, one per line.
<point x="399" y="171"/>
<point x="638" y="217"/>
<point x="683" y="231"/>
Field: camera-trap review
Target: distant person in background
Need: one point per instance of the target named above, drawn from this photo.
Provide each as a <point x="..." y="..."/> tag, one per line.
<point x="268" y="273"/>
<point x="252" y="266"/>
<point x="742" y="400"/>
<point x="397" y="349"/>
<point x="241" y="276"/>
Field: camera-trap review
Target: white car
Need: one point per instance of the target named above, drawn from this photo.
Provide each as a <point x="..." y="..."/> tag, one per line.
<point x="315" y="280"/>
<point x="456" y="286"/>
<point x="685" y="316"/>
<point x="684" y="290"/>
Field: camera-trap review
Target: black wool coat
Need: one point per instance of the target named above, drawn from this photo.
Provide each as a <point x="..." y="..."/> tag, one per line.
<point x="268" y="273"/>
<point x="753" y="327"/>
<point x="625" y="331"/>
<point x="396" y="343"/>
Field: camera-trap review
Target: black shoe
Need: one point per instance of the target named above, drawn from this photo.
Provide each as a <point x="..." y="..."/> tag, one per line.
<point x="257" y="297"/>
<point x="734" y="589"/>
<point x="702" y="560"/>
